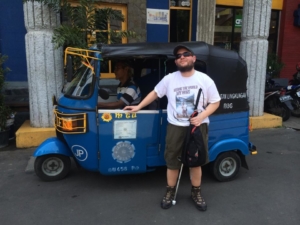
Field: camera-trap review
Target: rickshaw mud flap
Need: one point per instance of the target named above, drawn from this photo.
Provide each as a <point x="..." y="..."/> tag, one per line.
<point x="52" y="146"/>
<point x="243" y="160"/>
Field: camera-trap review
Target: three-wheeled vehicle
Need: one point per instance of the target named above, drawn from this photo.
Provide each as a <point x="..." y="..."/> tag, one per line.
<point x="116" y="142"/>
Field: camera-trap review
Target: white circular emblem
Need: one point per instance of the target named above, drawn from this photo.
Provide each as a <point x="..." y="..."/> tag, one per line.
<point x="79" y="152"/>
<point x="123" y="152"/>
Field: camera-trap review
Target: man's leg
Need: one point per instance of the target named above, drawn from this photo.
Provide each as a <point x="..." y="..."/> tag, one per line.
<point x="174" y="144"/>
<point x="196" y="175"/>
<point x="172" y="176"/>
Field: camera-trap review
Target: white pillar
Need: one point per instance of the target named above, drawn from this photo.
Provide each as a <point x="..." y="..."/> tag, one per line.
<point x="254" y="50"/>
<point x="44" y="62"/>
<point x="206" y="21"/>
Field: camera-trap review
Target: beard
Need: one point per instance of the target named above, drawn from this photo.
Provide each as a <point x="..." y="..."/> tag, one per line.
<point x="189" y="67"/>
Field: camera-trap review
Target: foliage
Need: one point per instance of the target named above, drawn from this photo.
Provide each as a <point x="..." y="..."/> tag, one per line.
<point x="5" y="111"/>
<point x="85" y="24"/>
<point x="274" y="65"/>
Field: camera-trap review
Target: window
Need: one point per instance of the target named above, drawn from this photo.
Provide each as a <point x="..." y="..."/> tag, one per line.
<point x="115" y="25"/>
<point x="82" y="84"/>
<point x="180" y="20"/>
<point x="228" y="28"/>
<point x="102" y="31"/>
<point x="273" y="34"/>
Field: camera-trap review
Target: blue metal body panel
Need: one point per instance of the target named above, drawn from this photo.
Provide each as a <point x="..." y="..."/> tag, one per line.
<point x="228" y="145"/>
<point x="52" y="146"/>
<point x="228" y="132"/>
<point x="120" y="155"/>
<point x="99" y="149"/>
<point x="158" y="159"/>
<point x="84" y="146"/>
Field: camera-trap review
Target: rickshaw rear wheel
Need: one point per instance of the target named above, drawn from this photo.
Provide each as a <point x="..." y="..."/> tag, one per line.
<point x="52" y="167"/>
<point x="226" y="166"/>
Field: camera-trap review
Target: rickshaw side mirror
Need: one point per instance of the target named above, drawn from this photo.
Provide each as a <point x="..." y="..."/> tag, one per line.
<point x="69" y="68"/>
<point x="103" y="94"/>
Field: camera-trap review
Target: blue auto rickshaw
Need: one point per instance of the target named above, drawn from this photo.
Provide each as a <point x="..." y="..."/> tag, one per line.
<point x="116" y="142"/>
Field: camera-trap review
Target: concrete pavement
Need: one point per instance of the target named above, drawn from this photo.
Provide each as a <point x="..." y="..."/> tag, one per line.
<point x="292" y="122"/>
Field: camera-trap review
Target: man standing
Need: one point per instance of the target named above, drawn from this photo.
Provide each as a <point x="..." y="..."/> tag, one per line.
<point x="183" y="85"/>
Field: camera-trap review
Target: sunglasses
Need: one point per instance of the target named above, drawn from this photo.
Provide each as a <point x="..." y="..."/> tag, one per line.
<point x="184" y="54"/>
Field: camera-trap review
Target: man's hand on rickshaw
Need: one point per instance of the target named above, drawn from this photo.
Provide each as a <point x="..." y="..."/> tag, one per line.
<point x="132" y="108"/>
<point x="149" y="98"/>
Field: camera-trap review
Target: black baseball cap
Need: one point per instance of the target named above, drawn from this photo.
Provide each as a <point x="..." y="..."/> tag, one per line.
<point x="179" y="47"/>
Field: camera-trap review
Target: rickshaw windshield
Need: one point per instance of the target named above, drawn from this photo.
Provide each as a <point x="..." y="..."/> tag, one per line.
<point x="81" y="85"/>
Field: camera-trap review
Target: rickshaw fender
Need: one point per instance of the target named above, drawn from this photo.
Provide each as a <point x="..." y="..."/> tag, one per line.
<point x="52" y="146"/>
<point x="231" y="144"/>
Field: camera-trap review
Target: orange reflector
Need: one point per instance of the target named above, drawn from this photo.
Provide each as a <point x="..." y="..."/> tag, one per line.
<point x="68" y="124"/>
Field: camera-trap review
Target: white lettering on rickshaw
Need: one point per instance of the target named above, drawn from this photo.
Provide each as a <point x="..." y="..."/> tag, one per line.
<point x="228" y="105"/>
<point x="79" y="152"/>
<point x="123" y="169"/>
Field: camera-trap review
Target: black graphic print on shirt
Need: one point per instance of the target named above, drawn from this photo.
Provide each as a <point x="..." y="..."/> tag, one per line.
<point x="184" y="98"/>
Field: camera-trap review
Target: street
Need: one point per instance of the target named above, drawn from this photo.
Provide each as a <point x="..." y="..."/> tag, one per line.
<point x="267" y="193"/>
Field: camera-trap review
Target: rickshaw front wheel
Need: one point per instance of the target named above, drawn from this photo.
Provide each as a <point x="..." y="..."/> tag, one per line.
<point x="226" y="166"/>
<point x="52" y="167"/>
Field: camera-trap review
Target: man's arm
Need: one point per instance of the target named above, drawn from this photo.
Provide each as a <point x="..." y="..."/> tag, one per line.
<point x="111" y="105"/>
<point x="149" y="98"/>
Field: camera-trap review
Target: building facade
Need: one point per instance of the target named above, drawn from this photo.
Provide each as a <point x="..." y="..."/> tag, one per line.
<point x="164" y="21"/>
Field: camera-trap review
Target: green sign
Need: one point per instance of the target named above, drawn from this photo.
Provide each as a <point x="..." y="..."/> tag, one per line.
<point x="238" y="21"/>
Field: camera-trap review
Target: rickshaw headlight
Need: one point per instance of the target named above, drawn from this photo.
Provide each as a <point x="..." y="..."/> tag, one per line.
<point x="74" y="123"/>
<point x="69" y="124"/>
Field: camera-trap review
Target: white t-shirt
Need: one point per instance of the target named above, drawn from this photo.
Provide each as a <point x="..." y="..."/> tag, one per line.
<point x="182" y="94"/>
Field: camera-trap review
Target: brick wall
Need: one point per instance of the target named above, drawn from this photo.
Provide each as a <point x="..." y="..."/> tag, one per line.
<point x="289" y="39"/>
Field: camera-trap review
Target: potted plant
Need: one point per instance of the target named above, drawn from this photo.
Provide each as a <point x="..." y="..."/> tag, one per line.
<point x="5" y="111"/>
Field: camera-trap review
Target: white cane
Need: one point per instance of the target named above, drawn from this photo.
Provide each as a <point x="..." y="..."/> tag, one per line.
<point x="177" y="185"/>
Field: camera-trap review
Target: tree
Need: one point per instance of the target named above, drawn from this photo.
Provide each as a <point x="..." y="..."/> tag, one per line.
<point x="85" y="24"/>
